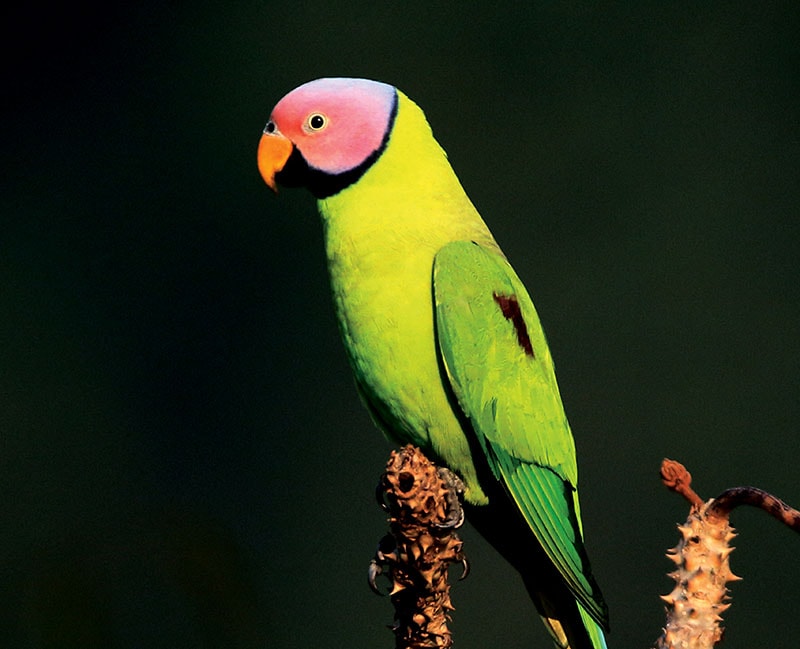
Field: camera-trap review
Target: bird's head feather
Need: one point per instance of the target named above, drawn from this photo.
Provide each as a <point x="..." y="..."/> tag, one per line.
<point x="326" y="133"/>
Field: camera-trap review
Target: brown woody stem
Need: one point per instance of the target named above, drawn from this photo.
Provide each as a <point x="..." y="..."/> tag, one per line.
<point x="728" y="500"/>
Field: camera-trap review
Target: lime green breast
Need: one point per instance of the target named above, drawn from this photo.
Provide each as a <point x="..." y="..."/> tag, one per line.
<point x="381" y="236"/>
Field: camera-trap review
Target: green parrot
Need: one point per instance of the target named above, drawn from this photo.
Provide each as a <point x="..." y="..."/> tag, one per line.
<point x="444" y="341"/>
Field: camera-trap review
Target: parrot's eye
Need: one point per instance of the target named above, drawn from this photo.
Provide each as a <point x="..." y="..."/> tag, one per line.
<point x="270" y="127"/>
<point x="316" y="122"/>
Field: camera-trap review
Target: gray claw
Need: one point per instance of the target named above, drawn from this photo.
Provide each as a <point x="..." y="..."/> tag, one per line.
<point x="372" y="574"/>
<point x="465" y="569"/>
<point x="380" y="492"/>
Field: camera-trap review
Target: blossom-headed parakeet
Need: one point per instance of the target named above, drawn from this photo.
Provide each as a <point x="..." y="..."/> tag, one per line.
<point x="443" y="338"/>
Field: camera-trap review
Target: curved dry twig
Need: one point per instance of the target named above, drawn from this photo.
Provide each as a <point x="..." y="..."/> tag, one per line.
<point x="729" y="499"/>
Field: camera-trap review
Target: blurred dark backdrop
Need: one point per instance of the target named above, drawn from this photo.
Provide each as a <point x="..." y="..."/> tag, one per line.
<point x="183" y="458"/>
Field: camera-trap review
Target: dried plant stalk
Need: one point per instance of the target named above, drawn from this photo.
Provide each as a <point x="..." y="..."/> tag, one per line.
<point x="695" y="605"/>
<point x="419" y="548"/>
<point x="700" y="596"/>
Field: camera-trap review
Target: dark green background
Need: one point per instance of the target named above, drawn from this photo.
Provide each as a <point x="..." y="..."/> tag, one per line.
<point x="183" y="458"/>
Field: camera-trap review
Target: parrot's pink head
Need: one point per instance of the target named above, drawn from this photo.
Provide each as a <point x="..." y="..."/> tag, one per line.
<point x="326" y="133"/>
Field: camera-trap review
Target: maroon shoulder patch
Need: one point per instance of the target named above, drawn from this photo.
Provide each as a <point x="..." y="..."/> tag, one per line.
<point x="510" y="307"/>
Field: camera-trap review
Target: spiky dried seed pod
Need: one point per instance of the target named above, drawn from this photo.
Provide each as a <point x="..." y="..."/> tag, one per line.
<point x="695" y="605"/>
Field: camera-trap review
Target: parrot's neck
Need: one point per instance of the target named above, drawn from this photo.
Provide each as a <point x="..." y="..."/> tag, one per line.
<point x="409" y="197"/>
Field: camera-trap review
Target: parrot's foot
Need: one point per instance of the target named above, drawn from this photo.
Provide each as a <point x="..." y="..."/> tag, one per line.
<point x="455" y="512"/>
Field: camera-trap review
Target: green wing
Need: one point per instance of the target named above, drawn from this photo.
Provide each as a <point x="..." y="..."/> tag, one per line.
<point x="501" y="372"/>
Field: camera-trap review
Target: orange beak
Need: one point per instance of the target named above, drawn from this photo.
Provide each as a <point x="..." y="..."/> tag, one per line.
<point x="274" y="150"/>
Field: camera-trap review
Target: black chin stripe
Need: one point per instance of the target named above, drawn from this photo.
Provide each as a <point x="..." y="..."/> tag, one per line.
<point x="297" y="173"/>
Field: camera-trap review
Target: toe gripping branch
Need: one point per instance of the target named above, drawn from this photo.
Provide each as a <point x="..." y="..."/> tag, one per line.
<point x="423" y="502"/>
